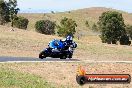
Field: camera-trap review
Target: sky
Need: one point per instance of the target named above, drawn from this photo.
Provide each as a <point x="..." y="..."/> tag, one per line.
<point x="67" y="5"/>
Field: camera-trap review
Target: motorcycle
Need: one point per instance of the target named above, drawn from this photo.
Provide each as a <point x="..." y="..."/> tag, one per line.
<point x="59" y="49"/>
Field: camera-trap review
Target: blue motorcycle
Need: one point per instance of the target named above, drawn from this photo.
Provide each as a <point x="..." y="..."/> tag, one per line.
<point x="59" y="49"/>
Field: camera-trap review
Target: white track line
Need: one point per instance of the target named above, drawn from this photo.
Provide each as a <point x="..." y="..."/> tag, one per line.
<point x="40" y="61"/>
<point x="87" y="61"/>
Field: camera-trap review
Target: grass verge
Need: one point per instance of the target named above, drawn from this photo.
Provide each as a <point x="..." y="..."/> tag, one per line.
<point x="13" y="79"/>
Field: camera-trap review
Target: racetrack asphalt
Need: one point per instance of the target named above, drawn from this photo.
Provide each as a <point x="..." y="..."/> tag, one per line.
<point x="7" y="59"/>
<point x="32" y="59"/>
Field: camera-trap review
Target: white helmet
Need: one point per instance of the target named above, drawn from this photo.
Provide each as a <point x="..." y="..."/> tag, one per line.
<point x="69" y="38"/>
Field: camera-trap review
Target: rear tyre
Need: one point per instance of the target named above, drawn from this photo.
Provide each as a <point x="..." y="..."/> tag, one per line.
<point x="63" y="57"/>
<point x="42" y="55"/>
<point x="70" y="56"/>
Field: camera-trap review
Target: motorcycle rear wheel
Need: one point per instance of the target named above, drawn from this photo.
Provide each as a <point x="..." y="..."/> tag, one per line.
<point x="63" y="57"/>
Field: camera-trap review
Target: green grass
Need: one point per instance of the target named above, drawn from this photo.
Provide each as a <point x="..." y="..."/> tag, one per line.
<point x="12" y="79"/>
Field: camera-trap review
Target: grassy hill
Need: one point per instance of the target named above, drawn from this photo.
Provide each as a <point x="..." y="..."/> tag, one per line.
<point x="80" y="16"/>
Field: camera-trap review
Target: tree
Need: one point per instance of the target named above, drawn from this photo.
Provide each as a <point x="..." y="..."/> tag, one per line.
<point x="4" y="12"/>
<point x="8" y="11"/>
<point x="45" y="27"/>
<point x="52" y="12"/>
<point x="129" y="30"/>
<point x="67" y="27"/>
<point x="13" y="10"/>
<point x="112" y="26"/>
<point x="20" y="22"/>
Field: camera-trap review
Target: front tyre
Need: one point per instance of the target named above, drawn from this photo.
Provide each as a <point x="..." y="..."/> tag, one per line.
<point x="42" y="55"/>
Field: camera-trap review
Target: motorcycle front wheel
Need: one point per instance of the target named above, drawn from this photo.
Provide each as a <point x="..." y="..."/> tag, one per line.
<point x="42" y="55"/>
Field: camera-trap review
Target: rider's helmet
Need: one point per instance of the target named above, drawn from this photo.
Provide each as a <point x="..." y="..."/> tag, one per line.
<point x="69" y="40"/>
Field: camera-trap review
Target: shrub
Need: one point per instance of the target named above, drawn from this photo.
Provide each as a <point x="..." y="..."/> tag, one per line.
<point x="20" y="22"/>
<point x="94" y="27"/>
<point x="129" y="31"/>
<point x="87" y="24"/>
<point x="45" y="27"/>
<point x="69" y="11"/>
<point x="67" y="27"/>
<point x="124" y="40"/>
<point x="52" y="12"/>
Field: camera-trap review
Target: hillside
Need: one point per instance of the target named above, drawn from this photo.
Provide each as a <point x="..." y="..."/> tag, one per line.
<point x="80" y="16"/>
<point x="23" y="43"/>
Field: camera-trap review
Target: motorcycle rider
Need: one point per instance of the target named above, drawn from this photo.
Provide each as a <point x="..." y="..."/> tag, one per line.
<point x="69" y="42"/>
